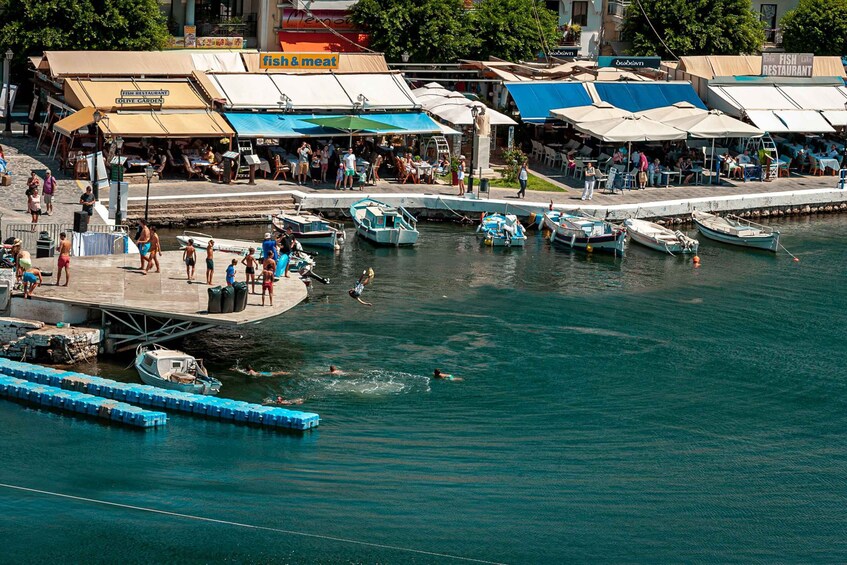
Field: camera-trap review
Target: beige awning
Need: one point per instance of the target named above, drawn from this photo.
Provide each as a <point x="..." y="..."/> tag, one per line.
<point x="711" y="66"/>
<point x="160" y="124"/>
<point x="78" y="120"/>
<point x="106" y="95"/>
<point x="347" y="63"/>
<point x="139" y="63"/>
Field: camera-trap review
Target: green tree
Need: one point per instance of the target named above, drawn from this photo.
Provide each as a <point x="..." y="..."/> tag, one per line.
<point x="32" y="26"/>
<point x="508" y="29"/>
<point x="428" y="30"/>
<point x="693" y="27"/>
<point x="816" y="26"/>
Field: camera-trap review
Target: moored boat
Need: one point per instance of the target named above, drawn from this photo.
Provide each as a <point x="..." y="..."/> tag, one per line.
<point x="737" y="231"/>
<point x="174" y="370"/>
<point x="382" y="224"/>
<point x="660" y="238"/>
<point x="310" y="229"/>
<point x="581" y="231"/>
<point x="498" y="230"/>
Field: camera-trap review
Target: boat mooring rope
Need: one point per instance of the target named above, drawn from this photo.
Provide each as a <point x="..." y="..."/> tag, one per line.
<point x="462" y="216"/>
<point x="243" y="525"/>
<point x="796" y="259"/>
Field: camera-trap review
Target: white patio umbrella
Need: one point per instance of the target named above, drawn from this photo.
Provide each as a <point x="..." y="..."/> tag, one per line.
<point x="630" y="128"/>
<point x="673" y="112"/>
<point x="593" y="112"/>
<point x="715" y="124"/>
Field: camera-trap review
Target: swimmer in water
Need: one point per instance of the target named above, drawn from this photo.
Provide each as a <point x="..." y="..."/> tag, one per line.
<point x="364" y="280"/>
<point x="333" y="370"/>
<point x="280" y="401"/>
<point x="250" y="371"/>
<point x="437" y="374"/>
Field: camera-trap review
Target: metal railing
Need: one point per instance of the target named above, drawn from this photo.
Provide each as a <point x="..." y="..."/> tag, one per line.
<point x="29" y="238"/>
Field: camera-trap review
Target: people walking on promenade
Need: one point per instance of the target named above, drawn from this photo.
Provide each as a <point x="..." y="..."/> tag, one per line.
<point x="286" y="244"/>
<point x="87" y="201"/>
<point x="49" y="190"/>
<point x="210" y="261"/>
<point x="590" y="173"/>
<point x="33" y="206"/>
<point x="32" y="182"/>
<point x="155" y="251"/>
<point x="303" y="155"/>
<point x="142" y="240"/>
<point x="189" y="257"/>
<point x="523" y="177"/>
<point x="64" y="264"/>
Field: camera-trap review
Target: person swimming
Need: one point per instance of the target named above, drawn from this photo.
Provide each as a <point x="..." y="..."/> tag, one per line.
<point x="251" y="372"/>
<point x="333" y="370"/>
<point x="437" y="374"/>
<point x="280" y="401"/>
<point x="364" y="279"/>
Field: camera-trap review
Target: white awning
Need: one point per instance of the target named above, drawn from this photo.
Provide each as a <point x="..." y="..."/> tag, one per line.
<point x="248" y="91"/>
<point x="733" y="100"/>
<point x="789" y="121"/>
<point x="836" y="117"/>
<point x="817" y="97"/>
<point x="308" y="92"/>
<point x="381" y="91"/>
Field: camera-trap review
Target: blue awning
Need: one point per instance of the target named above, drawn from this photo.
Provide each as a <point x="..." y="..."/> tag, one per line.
<point x="536" y="99"/>
<point x="294" y="125"/>
<point x="640" y="96"/>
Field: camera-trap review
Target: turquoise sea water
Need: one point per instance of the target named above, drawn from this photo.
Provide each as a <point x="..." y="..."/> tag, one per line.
<point x="634" y="410"/>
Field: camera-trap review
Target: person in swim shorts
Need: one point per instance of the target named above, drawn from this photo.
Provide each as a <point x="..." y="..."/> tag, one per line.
<point x="250" y="263"/>
<point x="437" y="374"/>
<point x="143" y="242"/>
<point x="32" y="278"/>
<point x="189" y="256"/>
<point x="210" y="261"/>
<point x="268" y="270"/>
<point x="155" y="251"/>
<point x="64" y="249"/>
<point x="230" y="273"/>
<point x="364" y="279"/>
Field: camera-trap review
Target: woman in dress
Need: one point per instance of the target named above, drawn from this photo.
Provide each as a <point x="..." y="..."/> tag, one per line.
<point x="461" y="175"/>
<point x="34" y="207"/>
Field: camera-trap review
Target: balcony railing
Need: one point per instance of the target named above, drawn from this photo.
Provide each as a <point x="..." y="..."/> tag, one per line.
<point x="618" y="8"/>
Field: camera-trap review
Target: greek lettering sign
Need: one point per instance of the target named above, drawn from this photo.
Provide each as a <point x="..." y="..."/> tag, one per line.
<point x="564" y="52"/>
<point x="295" y="61"/>
<point x="630" y="62"/>
<point x="787" y="64"/>
<point x="147" y="97"/>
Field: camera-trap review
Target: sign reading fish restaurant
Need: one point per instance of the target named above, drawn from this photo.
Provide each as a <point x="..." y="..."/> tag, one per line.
<point x="151" y="97"/>
<point x="295" y="61"/>
<point x="787" y="64"/>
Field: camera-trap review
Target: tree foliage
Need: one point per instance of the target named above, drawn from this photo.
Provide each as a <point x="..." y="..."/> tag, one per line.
<point x="693" y="27"/>
<point x="816" y="26"/>
<point x="443" y="30"/>
<point x="508" y="29"/>
<point x="32" y="26"/>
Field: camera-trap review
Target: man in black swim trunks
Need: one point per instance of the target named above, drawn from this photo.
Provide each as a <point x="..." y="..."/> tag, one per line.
<point x="189" y="256"/>
<point x="286" y="243"/>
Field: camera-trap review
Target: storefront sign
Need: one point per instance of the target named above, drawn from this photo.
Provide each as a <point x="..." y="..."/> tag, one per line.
<point x="787" y="64"/>
<point x="566" y="52"/>
<point x="147" y="97"/>
<point x="629" y="62"/>
<point x="189" y="34"/>
<point x="318" y="19"/>
<point x="298" y="61"/>
<point x="207" y="43"/>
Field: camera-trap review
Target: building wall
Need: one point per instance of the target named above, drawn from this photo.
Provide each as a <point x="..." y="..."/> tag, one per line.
<point x="782" y="6"/>
<point x="591" y="25"/>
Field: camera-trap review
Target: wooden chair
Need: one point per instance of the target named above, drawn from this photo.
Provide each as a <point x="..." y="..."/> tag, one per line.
<point x="814" y="166"/>
<point x="376" y="165"/>
<point x="160" y="168"/>
<point x="402" y="174"/>
<point x="190" y="170"/>
<point x="280" y="169"/>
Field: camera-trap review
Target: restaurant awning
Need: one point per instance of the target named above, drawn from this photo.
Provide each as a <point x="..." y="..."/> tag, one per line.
<point x="674" y="112"/>
<point x="78" y="120"/>
<point x="630" y="128"/>
<point x="789" y="121"/>
<point x="347" y="63"/>
<point x="714" y="124"/>
<point x="816" y="97"/>
<point x="251" y="125"/>
<point x="735" y="100"/>
<point x="164" y="124"/>
<point x="536" y="99"/>
<point x="139" y="63"/>
<point x="108" y="95"/>
<point x="637" y="97"/>
<point x="590" y="113"/>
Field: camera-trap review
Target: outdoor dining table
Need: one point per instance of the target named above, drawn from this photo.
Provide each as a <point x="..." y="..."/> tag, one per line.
<point x="199" y="162"/>
<point x="264" y="165"/>
<point x="424" y="171"/>
<point x="828" y="162"/>
<point x="668" y="175"/>
<point x="134" y="161"/>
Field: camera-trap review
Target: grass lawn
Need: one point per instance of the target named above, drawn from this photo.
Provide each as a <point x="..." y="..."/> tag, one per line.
<point x="533" y="183"/>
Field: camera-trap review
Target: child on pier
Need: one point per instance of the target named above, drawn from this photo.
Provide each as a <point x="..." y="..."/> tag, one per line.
<point x="210" y="261"/>
<point x="32" y="278"/>
<point x="250" y="264"/>
<point x="230" y="273"/>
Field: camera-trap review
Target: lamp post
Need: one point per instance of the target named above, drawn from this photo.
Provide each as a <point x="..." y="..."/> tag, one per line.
<point x="96" y="181"/>
<point x="149" y="171"/>
<point x="475" y="112"/>
<point x="8" y="82"/>
<point x="119" y="143"/>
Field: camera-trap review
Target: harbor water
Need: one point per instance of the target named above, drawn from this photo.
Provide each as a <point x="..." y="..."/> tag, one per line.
<point x="634" y="410"/>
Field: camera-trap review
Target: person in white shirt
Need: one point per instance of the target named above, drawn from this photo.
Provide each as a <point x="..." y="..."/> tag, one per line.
<point x="635" y="159"/>
<point x="349" y="168"/>
<point x="744" y="158"/>
<point x="590" y="172"/>
<point x="523" y="176"/>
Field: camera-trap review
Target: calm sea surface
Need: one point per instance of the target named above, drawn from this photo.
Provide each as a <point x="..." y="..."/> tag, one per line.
<point x="635" y="410"/>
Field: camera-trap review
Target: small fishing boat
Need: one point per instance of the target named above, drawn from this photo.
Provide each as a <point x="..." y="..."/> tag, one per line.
<point x="498" y="230"/>
<point x="737" y="231"/>
<point x="660" y="238"/>
<point x="174" y="370"/>
<point x="581" y="231"/>
<point x="310" y="229"/>
<point x="382" y="224"/>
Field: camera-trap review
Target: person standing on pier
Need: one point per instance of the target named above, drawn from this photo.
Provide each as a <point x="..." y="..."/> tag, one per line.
<point x="189" y="256"/>
<point x="230" y="273"/>
<point x="155" y="251"/>
<point x="269" y="247"/>
<point x="49" y="190"/>
<point x="210" y="261"/>
<point x="349" y="168"/>
<point x="250" y="264"/>
<point x="142" y="240"/>
<point x="87" y="201"/>
<point x="286" y="243"/>
<point x="268" y="271"/>
<point x="33" y="206"/>
<point x="64" y="249"/>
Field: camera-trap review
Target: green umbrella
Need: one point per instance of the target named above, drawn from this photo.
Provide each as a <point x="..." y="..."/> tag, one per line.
<point x="351" y="124"/>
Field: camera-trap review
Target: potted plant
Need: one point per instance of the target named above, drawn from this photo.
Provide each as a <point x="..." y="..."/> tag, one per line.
<point x="572" y="34"/>
<point x="454" y="171"/>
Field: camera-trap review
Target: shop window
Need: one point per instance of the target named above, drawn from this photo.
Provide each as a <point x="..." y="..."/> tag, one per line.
<point x="579" y="13"/>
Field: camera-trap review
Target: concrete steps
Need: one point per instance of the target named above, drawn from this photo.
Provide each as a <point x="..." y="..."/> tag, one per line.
<point x="197" y="212"/>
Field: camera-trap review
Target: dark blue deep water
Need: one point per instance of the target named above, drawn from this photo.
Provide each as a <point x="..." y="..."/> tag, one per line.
<point x="617" y="411"/>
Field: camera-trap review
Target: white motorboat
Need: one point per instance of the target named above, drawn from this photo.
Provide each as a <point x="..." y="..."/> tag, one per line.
<point x="660" y="238"/>
<point x="174" y="370"/>
<point x="382" y="224"/>
<point x="737" y="231"/>
<point x="310" y="229"/>
<point x="498" y="230"/>
<point x="581" y="231"/>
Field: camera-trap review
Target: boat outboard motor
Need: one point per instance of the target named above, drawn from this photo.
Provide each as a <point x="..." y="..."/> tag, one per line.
<point x="306" y="274"/>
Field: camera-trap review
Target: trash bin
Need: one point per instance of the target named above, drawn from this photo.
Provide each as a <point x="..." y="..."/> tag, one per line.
<point x="240" y="296"/>
<point x="214" y="306"/>
<point x="44" y="246"/>
<point x="227" y="300"/>
<point x="80" y="221"/>
<point x="483" y="185"/>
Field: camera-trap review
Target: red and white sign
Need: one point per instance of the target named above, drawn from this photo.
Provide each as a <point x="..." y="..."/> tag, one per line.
<point x="317" y="19"/>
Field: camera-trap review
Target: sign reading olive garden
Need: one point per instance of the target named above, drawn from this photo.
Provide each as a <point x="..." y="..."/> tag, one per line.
<point x="146" y="97"/>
